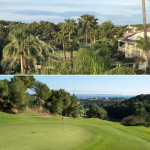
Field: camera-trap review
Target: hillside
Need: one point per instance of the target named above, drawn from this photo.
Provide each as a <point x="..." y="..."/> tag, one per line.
<point x="139" y="106"/>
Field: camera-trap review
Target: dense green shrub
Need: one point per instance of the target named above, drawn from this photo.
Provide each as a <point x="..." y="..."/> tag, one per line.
<point x="131" y="121"/>
<point x="96" y="112"/>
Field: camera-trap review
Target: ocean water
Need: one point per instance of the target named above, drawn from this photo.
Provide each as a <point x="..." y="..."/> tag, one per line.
<point x="103" y="95"/>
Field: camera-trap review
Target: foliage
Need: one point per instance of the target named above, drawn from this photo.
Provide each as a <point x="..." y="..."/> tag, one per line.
<point x="27" y="80"/>
<point x="141" y="43"/>
<point x="107" y="30"/>
<point x="14" y="96"/>
<point x="121" y="71"/>
<point x="138" y="106"/>
<point x="42" y="92"/>
<point x="18" y="95"/>
<point x="33" y="47"/>
<point x="96" y="112"/>
<point x="131" y="121"/>
<point x="73" y="109"/>
<point x="88" y="62"/>
<point x="61" y="102"/>
<point x="100" y="102"/>
<point x="23" y="50"/>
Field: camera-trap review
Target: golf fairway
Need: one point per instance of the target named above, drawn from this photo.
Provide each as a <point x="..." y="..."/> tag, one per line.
<point x="35" y="133"/>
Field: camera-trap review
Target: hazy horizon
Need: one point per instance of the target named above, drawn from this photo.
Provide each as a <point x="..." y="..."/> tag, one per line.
<point x="123" y="85"/>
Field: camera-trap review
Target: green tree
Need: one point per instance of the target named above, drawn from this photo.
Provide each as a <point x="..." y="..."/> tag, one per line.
<point x="74" y="45"/>
<point x="73" y="109"/>
<point x="19" y="48"/>
<point x="3" y="41"/>
<point x="61" y="38"/>
<point x="96" y="112"/>
<point x="17" y="95"/>
<point x="24" y="49"/>
<point x="59" y="100"/>
<point x="42" y="92"/>
<point x="27" y="80"/>
<point x="3" y="89"/>
<point x="93" y="33"/>
<point x="86" y="22"/>
<point x="106" y="30"/>
<point x="70" y="28"/>
<point x="4" y="100"/>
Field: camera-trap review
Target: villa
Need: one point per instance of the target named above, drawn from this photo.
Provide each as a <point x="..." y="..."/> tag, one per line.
<point x="128" y="46"/>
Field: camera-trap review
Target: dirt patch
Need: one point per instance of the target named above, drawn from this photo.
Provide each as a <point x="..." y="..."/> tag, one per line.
<point x="37" y="110"/>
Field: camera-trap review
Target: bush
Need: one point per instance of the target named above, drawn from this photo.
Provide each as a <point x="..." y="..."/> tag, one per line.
<point x="131" y="121"/>
<point x="135" y="121"/>
<point x="96" y="112"/>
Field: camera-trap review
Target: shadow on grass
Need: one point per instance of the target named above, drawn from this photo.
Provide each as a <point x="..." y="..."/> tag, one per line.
<point x="115" y="120"/>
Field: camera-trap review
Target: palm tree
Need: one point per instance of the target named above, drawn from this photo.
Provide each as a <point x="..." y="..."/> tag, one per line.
<point x="61" y="38"/>
<point x="141" y="43"/>
<point x="74" y="46"/>
<point x="23" y="49"/>
<point x="93" y="34"/>
<point x="145" y="34"/>
<point x="46" y="51"/>
<point x="86" y="22"/>
<point x="18" y="48"/>
<point x="70" y="28"/>
<point x="62" y="27"/>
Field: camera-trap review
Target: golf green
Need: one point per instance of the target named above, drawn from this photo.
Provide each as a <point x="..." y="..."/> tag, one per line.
<point x="37" y="133"/>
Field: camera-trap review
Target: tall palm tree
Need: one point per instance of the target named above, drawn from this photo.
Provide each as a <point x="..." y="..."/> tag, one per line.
<point x="70" y="28"/>
<point x="61" y="38"/>
<point x="145" y="33"/>
<point x="86" y="22"/>
<point x="93" y="34"/>
<point x="74" y="46"/>
<point x="62" y="27"/>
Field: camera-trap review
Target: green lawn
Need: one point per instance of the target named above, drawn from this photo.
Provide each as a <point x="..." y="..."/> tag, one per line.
<point x="67" y="53"/>
<point x="23" y="133"/>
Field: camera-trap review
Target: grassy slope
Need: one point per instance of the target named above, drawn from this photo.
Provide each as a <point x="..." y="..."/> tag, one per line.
<point x="49" y="133"/>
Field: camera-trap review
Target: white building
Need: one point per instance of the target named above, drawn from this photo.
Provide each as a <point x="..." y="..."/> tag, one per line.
<point x="128" y="45"/>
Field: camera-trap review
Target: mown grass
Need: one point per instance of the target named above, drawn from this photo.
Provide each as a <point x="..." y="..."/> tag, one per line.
<point x="22" y="133"/>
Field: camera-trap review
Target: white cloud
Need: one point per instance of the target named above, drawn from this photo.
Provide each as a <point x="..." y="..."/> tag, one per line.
<point x="108" y="91"/>
<point x="125" y="10"/>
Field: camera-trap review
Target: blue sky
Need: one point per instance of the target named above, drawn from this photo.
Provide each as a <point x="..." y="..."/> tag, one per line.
<point x="126" y="85"/>
<point x="120" y="12"/>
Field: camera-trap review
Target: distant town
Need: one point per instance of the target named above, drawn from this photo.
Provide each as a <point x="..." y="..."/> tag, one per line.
<point x="102" y="98"/>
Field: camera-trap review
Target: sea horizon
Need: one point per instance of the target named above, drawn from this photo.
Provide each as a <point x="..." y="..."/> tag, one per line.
<point x="79" y="96"/>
